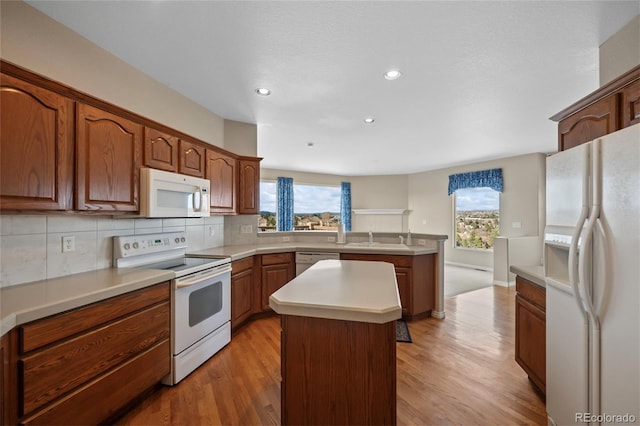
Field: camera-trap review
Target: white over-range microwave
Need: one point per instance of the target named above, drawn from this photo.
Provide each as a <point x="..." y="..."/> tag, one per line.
<point x="167" y="194"/>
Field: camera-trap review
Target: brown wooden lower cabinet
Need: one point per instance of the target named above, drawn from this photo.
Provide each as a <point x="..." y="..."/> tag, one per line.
<point x="276" y="270"/>
<point x="85" y="365"/>
<point x="530" y="351"/>
<point x="337" y="372"/>
<point x="242" y="279"/>
<point x="416" y="280"/>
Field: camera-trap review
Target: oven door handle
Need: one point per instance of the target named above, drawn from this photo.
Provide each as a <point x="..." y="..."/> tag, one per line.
<point x="202" y="276"/>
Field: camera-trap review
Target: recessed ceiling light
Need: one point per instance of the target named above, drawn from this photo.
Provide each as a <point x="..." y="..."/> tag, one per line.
<point x="392" y="74"/>
<point x="263" y="91"/>
<point x="369" y="120"/>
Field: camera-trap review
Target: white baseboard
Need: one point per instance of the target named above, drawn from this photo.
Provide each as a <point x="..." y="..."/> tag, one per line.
<point x="465" y="265"/>
<point x="501" y="283"/>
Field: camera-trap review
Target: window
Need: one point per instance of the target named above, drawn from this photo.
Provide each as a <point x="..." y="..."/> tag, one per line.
<point x="316" y="207"/>
<point x="477" y="217"/>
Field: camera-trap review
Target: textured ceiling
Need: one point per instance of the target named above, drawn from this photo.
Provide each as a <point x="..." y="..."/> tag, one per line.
<point x="480" y="79"/>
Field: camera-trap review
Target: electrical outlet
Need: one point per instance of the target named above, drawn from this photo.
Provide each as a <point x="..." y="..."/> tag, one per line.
<point x="286" y="239"/>
<point x="211" y="231"/>
<point x="331" y="239"/>
<point x="68" y="244"/>
<point x="422" y="242"/>
<point x="246" y="229"/>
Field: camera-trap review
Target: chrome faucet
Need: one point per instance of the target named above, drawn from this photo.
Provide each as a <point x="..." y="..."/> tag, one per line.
<point x="401" y="239"/>
<point x="370" y="237"/>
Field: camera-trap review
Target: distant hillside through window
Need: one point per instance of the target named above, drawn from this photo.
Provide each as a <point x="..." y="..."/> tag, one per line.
<point x="316" y="207"/>
<point x="477" y="218"/>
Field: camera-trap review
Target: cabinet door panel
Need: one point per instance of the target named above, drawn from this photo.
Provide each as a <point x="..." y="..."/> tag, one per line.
<point x="249" y="199"/>
<point x="274" y="277"/>
<point x="192" y="159"/>
<point x="221" y="171"/>
<point x="596" y="120"/>
<point x="531" y="341"/>
<point x="403" y="277"/>
<point x="36" y="147"/>
<point x="241" y="297"/>
<point x="108" y="161"/>
<point x="160" y="150"/>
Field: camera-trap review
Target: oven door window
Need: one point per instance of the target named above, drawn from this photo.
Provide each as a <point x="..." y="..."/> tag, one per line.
<point x="205" y="303"/>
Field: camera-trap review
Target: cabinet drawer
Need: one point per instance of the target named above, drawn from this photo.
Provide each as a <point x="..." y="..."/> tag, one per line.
<point x="101" y="398"/>
<point x="43" y="332"/>
<point x="277" y="258"/>
<point x="403" y="261"/>
<point x="54" y="371"/>
<point x="531" y="292"/>
<point x="238" y="266"/>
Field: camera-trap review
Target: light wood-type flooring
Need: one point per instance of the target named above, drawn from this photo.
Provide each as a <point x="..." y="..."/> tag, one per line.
<point x="459" y="370"/>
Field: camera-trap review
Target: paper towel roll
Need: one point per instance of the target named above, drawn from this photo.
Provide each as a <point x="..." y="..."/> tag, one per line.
<point x="341" y="232"/>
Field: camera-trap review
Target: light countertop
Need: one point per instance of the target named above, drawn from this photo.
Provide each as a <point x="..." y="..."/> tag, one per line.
<point x="31" y="301"/>
<point x="343" y="290"/>
<point x="241" y="251"/>
<point x="535" y="273"/>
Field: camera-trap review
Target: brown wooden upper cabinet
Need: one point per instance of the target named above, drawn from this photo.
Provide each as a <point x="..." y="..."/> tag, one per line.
<point x="249" y="196"/>
<point x="108" y="155"/>
<point x="612" y="107"/>
<point x="192" y="159"/>
<point x="222" y="172"/>
<point x="160" y="150"/>
<point x="631" y="104"/>
<point x="36" y="147"/>
<point x="596" y="120"/>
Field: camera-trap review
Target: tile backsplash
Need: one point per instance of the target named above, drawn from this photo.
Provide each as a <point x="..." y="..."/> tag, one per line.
<point x="31" y="245"/>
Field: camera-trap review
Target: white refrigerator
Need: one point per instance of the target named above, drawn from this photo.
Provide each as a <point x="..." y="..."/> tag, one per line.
<point x="592" y="275"/>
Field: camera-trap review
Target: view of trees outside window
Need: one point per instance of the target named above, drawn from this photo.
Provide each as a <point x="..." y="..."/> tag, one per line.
<point x="316" y="208"/>
<point x="477" y="220"/>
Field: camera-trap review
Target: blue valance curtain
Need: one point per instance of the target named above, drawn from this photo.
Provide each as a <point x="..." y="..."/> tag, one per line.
<point x="345" y="205"/>
<point x="284" y="208"/>
<point x="485" y="178"/>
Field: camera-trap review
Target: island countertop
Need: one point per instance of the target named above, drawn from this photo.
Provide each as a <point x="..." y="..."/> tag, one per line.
<point x="343" y="290"/>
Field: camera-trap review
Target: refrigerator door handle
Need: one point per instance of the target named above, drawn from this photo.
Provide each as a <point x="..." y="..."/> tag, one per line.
<point x="585" y="267"/>
<point x="574" y="260"/>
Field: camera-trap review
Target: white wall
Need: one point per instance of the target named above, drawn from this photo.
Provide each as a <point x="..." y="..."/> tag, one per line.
<point x="522" y="201"/>
<point x="38" y="43"/>
<point x="620" y="52"/>
<point x="241" y="138"/>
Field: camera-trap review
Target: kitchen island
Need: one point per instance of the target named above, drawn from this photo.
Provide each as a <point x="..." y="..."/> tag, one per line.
<point x="339" y="344"/>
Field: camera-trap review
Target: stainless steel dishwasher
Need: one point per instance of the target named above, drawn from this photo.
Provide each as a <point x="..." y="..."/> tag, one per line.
<point x="305" y="259"/>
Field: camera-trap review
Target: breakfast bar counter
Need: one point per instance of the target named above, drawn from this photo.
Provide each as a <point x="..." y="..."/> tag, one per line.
<point x="339" y="343"/>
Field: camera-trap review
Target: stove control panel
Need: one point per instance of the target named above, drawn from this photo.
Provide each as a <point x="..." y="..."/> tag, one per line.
<point x="136" y="245"/>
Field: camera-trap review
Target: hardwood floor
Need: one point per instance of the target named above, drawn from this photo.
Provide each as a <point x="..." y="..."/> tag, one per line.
<point x="460" y="370"/>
